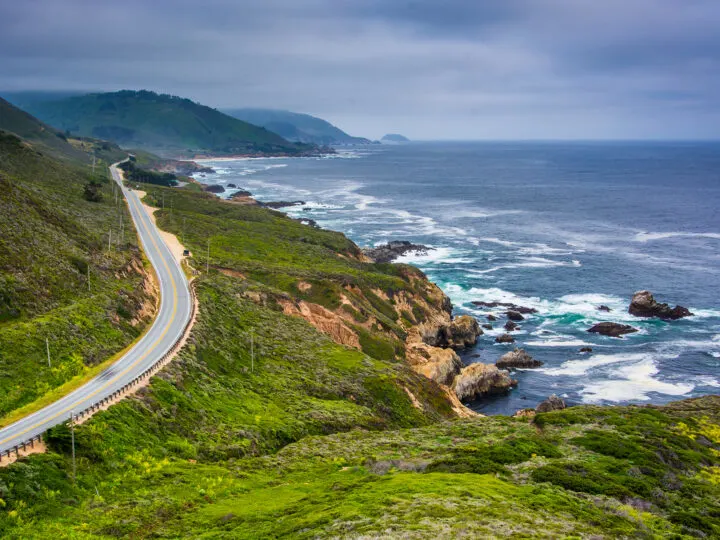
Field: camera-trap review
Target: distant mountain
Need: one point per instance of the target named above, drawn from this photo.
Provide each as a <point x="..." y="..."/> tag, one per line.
<point x="164" y="124"/>
<point x="49" y="141"/>
<point x="395" y="138"/>
<point x="296" y="127"/>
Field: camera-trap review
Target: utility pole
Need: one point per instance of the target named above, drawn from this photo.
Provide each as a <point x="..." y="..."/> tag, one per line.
<point x="93" y="163"/>
<point x="47" y="348"/>
<point x="88" y="276"/>
<point x="109" y="239"/>
<point x="252" y="352"/>
<point x="207" y="261"/>
<point x="72" y="438"/>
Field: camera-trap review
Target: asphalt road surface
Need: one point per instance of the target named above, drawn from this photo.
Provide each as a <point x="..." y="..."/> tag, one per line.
<point x="171" y="320"/>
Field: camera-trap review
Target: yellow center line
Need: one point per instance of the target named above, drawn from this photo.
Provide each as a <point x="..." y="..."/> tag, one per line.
<point x="152" y="348"/>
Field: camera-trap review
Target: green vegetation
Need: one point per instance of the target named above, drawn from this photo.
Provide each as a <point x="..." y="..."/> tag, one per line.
<point x="58" y="280"/>
<point x="133" y="173"/>
<point x="486" y="477"/>
<point x="263" y="427"/>
<point x="54" y="143"/>
<point x="164" y="124"/>
<point x="296" y="127"/>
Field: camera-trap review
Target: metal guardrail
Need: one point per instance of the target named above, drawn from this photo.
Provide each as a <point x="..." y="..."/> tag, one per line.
<point x="117" y="394"/>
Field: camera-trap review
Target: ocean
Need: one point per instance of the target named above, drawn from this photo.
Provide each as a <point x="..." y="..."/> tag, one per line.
<point x="559" y="227"/>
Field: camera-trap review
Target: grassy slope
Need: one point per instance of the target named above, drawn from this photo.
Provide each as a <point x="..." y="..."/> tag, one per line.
<point x="50" y="236"/>
<point x="208" y="449"/>
<point x="162" y="123"/>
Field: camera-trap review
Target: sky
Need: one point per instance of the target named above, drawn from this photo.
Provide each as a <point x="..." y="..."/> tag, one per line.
<point x="444" y="69"/>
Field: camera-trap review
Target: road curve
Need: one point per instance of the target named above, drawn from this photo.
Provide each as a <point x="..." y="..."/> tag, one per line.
<point x="169" y="325"/>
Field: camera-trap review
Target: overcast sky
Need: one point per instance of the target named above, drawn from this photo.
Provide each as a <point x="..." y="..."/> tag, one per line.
<point x="444" y="69"/>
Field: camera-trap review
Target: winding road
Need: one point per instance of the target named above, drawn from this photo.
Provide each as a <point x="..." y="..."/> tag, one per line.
<point x="170" y="323"/>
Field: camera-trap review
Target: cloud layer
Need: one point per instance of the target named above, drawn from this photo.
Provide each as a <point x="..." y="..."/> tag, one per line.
<point x="494" y="69"/>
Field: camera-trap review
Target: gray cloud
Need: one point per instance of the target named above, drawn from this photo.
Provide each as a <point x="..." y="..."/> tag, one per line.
<point x="452" y="69"/>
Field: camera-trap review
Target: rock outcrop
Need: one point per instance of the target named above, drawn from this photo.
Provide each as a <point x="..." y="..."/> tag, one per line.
<point x="392" y="250"/>
<point x="214" y="188"/>
<point x="440" y="365"/>
<point x="612" y="329"/>
<point x="644" y="305"/>
<point x="585" y="349"/>
<point x="280" y="204"/>
<point x="477" y="380"/>
<point x="462" y="332"/>
<point x="517" y="359"/>
<point x="459" y="333"/>
<point x="553" y="403"/>
<point x="505" y="338"/>
<point x="605" y="308"/>
<point x="510" y="326"/>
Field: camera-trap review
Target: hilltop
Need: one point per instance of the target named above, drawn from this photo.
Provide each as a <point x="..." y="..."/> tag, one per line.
<point x="168" y="125"/>
<point x="53" y="142"/>
<point x="296" y="127"/>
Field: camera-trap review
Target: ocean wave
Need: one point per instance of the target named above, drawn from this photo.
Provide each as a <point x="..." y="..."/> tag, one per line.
<point x="529" y="262"/>
<point x="633" y="383"/>
<point x="559" y="343"/>
<point x="650" y="236"/>
<point x="576" y="368"/>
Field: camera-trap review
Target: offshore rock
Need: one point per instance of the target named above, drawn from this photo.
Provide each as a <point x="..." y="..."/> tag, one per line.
<point x="392" y="250"/>
<point x="511" y="326"/>
<point x="612" y="329"/>
<point x="603" y="307"/>
<point x="214" y="188"/>
<point x="644" y="305"/>
<point x="477" y="380"/>
<point x="517" y="359"/>
<point x="514" y="315"/>
<point x="505" y="338"/>
<point x="491" y="317"/>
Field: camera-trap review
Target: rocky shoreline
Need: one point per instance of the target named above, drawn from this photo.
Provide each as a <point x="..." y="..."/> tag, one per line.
<point x="432" y="346"/>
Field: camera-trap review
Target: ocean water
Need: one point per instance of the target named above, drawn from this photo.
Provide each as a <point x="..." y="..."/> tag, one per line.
<point x="559" y="227"/>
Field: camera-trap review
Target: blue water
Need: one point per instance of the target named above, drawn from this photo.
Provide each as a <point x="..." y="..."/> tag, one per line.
<point x="559" y="227"/>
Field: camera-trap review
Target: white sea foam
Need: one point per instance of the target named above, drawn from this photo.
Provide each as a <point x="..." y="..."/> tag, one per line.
<point x="576" y="368"/>
<point x="558" y="343"/>
<point x="650" y="236"/>
<point x="633" y="383"/>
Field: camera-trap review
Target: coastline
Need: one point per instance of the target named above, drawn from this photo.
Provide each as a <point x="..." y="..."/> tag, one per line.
<point x="641" y="368"/>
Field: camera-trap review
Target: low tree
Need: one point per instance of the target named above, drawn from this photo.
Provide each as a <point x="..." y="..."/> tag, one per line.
<point x="93" y="191"/>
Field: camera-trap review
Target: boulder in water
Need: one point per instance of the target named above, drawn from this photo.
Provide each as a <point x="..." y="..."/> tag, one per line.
<point x="586" y="349"/>
<point x="514" y="315"/>
<point x="491" y="318"/>
<point x="487" y="326"/>
<point x="505" y="338"/>
<point x="643" y="304"/>
<point x="517" y="359"/>
<point x="612" y="329"/>
<point x="510" y="326"/>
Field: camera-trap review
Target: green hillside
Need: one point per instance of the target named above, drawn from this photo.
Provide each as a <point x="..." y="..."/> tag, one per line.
<point x="296" y="126"/>
<point x="58" y="279"/>
<point x="167" y="125"/>
<point x="307" y="438"/>
<point x="52" y="142"/>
